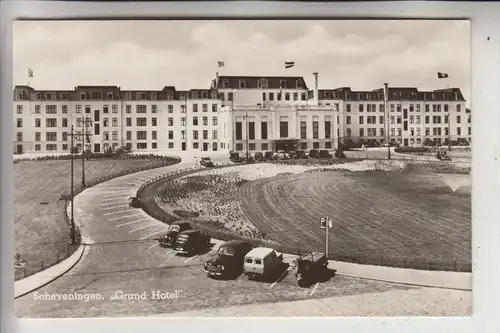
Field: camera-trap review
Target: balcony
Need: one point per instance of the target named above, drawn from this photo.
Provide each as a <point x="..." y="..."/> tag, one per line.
<point x="280" y="107"/>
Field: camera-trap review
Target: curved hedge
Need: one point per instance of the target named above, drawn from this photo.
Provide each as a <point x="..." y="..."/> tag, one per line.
<point x="94" y="156"/>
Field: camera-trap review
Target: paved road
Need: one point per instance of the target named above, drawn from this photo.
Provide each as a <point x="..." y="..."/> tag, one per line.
<point x="124" y="258"/>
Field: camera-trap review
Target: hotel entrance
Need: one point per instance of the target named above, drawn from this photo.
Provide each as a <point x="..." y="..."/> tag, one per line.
<point x="285" y="145"/>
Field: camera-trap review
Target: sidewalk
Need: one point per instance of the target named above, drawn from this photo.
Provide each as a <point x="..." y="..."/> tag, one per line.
<point x="42" y="278"/>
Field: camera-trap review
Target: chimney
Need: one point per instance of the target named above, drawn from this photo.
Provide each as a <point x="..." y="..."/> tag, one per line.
<point x="316" y="97"/>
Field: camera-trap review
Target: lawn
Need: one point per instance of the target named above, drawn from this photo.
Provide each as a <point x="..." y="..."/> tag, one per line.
<point x="41" y="231"/>
<point x="415" y="216"/>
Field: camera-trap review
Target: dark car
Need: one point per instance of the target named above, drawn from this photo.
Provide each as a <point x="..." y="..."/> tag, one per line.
<point x="314" y="153"/>
<point x="206" y="162"/>
<point x="134" y="202"/>
<point x="259" y="157"/>
<point x="309" y="268"/>
<point x="228" y="262"/>
<point x="234" y="157"/>
<point x="191" y="241"/>
<point x="324" y="154"/>
<point x="269" y="155"/>
<point x="300" y="155"/>
<point x="168" y="240"/>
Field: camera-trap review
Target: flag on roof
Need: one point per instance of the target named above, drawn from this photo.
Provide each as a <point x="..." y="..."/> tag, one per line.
<point x="220" y="63"/>
<point x="289" y="64"/>
<point x="442" y="75"/>
<point x="30" y="72"/>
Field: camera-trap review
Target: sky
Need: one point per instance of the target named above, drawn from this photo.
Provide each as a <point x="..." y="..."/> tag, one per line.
<point x="185" y="54"/>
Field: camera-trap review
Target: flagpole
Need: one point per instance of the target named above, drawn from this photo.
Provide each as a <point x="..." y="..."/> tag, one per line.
<point x="386" y="97"/>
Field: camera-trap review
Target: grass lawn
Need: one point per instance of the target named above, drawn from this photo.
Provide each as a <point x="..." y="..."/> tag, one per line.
<point x="416" y="216"/>
<point x="41" y="232"/>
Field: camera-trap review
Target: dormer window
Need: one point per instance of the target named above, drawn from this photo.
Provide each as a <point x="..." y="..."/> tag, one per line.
<point x="242" y="84"/>
<point x="225" y="84"/>
<point x="182" y="95"/>
<point x="194" y="94"/>
<point x="83" y="96"/>
<point x="327" y="95"/>
<point x="170" y="95"/>
<point x="153" y="96"/>
<point x="110" y="95"/>
<point x="262" y="83"/>
<point x="347" y="96"/>
<point x="282" y="83"/>
<point x="204" y="95"/>
<point x="298" y="84"/>
<point x="19" y="96"/>
<point x="143" y="96"/>
<point x="213" y="94"/>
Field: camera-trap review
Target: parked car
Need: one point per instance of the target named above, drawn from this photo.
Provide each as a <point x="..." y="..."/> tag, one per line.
<point x="258" y="157"/>
<point x="309" y="268"/>
<point x="234" y="157"/>
<point x="300" y="154"/>
<point x="248" y="160"/>
<point x="206" y="162"/>
<point x="263" y="263"/>
<point x="314" y="153"/>
<point x="135" y="202"/>
<point x="168" y="240"/>
<point x="228" y="262"/>
<point x="190" y="242"/>
<point x="324" y="154"/>
<point x="269" y="155"/>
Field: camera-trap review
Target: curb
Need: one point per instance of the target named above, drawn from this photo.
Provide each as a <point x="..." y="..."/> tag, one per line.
<point x="38" y="280"/>
<point x="407" y="276"/>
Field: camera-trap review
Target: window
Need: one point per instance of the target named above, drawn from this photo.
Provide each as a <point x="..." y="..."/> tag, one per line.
<point x="19" y="136"/>
<point x="105" y="122"/>
<point x="205" y="121"/>
<point x="65" y="122"/>
<point x="195" y="135"/>
<point x="230" y="96"/>
<point x="96" y="129"/>
<point x="105" y="135"/>
<point x="141" y="122"/>
<point x="239" y="146"/>
<point x="170" y="109"/>
<point x="38" y="136"/>
<point x="283" y="129"/>
<point x="446" y="131"/>
<point x="418" y="119"/>
<point x="154" y="108"/>
<point x="214" y="146"/>
<point x="446" y="108"/>
<point x="170" y="145"/>
<point x="215" y="135"/>
<point x="115" y="108"/>
<point x="361" y="132"/>
<point x="115" y="122"/>
<point x="195" y="107"/>
<point x="361" y="120"/>
<point x="295" y="96"/>
<point x="195" y="121"/>
<point x="105" y="109"/>
<point x="128" y="109"/>
<point x="170" y="121"/>
<point x="349" y="132"/>
<point x="50" y="122"/>
<point x="51" y="147"/>
<point x="315" y="145"/>
<point x="140" y="109"/>
<point x="469" y="131"/>
<point x="183" y="135"/>
<point x="427" y="131"/>
<point x="204" y="108"/>
<point x="37" y="109"/>
<point x="154" y="135"/>
<point x="264" y="146"/>
<point x="398" y="119"/>
<point x="392" y="108"/>
<point x="418" y="131"/>
<point x="183" y="121"/>
<point x="239" y="132"/>
<point x="142" y="135"/>
<point x="142" y="145"/>
<point x="183" y="108"/>
<point x="303" y="96"/>
<point x="128" y="121"/>
<point x="458" y="119"/>
<point x="412" y="119"/>
<point x="251" y="146"/>
<point x="214" y="108"/>
<point x="348" y="107"/>
<point x="328" y="145"/>
<point x="38" y="147"/>
<point x="287" y="96"/>
<point x="427" y="119"/>
<point x="214" y="121"/>
<point x="115" y="135"/>
<point x="87" y="108"/>
<point x="398" y="108"/>
<point x="399" y="131"/>
<point x="171" y="135"/>
<point x="303" y="130"/>
<point x="328" y="129"/>
<point x="154" y="122"/>
<point x="381" y="119"/>
<point x="393" y="132"/>
<point x="315" y="130"/>
<point x="195" y="145"/>
<point x="64" y="109"/>
<point x="50" y="109"/>
<point x="263" y="131"/>
<point x="251" y="130"/>
<point x="458" y="108"/>
<point x="361" y="106"/>
<point x="303" y="145"/>
<point x="427" y="108"/>
<point x="51" y="136"/>
<point x="242" y="84"/>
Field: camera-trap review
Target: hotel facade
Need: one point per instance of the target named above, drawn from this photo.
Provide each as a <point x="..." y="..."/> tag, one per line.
<point x="237" y="113"/>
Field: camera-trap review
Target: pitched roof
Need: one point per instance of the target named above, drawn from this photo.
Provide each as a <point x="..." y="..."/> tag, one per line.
<point x="395" y="94"/>
<point x="251" y="82"/>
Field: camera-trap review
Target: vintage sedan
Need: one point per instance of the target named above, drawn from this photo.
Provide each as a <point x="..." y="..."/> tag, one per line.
<point x="135" y="202"/>
<point x="190" y="242"/>
<point x="168" y="240"/>
<point x="228" y="262"/>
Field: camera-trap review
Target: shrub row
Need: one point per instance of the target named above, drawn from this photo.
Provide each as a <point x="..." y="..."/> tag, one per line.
<point x="329" y="161"/>
<point x="412" y="150"/>
<point x="118" y="156"/>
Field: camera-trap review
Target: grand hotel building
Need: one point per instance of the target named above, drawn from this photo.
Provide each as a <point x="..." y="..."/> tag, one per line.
<point x="237" y="113"/>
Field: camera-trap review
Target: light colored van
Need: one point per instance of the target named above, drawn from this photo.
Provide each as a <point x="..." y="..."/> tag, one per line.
<point x="263" y="262"/>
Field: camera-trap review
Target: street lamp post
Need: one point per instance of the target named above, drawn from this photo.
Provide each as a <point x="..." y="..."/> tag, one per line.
<point x="386" y="96"/>
<point x="72" y="222"/>
<point x="85" y="123"/>
<point x="246" y="130"/>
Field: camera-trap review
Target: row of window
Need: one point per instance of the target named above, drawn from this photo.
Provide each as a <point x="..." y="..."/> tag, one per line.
<point x="394" y="120"/>
<point x="265" y="146"/>
<point x="397" y="107"/>
<point x="262" y="83"/>
<point x="435" y="131"/>
<point x="279" y="96"/>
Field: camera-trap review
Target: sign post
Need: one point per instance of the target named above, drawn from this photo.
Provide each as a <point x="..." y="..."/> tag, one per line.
<point x="326" y="223"/>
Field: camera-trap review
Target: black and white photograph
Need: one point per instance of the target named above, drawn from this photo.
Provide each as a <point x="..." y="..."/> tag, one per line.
<point x="242" y="168"/>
